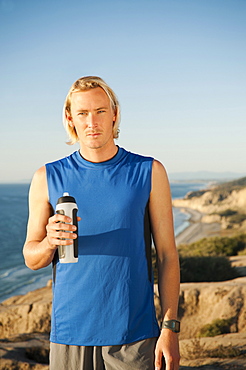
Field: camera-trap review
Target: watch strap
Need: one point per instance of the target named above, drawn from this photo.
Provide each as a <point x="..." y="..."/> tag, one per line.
<point x="173" y="325"/>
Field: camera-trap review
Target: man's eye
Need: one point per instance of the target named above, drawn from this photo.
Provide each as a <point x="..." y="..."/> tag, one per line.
<point x="101" y="111"/>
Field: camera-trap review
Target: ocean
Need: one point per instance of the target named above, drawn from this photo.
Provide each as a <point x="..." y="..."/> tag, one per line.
<point x="15" y="277"/>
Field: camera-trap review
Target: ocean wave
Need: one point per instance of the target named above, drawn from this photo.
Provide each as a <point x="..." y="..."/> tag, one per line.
<point x="22" y="286"/>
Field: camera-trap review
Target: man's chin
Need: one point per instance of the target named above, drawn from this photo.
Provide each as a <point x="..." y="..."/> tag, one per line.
<point x="95" y="146"/>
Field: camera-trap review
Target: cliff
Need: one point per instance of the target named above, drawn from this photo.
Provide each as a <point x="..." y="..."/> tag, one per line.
<point x="24" y="330"/>
<point x="224" y="203"/>
<point x="25" y="320"/>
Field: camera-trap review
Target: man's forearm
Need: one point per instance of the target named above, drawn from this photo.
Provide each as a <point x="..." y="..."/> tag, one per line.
<point x="167" y="345"/>
<point x="38" y="254"/>
<point x="169" y="285"/>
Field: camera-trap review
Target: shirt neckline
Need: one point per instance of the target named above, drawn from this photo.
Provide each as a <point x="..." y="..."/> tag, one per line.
<point x="109" y="162"/>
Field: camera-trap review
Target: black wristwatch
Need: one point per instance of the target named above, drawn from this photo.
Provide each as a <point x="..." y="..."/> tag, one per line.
<point x="173" y="325"/>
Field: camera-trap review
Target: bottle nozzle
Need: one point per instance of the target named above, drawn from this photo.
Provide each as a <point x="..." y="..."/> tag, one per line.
<point x="66" y="194"/>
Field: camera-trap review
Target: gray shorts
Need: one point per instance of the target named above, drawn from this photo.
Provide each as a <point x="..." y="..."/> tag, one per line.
<point x="137" y="356"/>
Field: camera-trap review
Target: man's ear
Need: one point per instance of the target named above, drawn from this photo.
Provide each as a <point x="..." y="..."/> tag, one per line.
<point x="114" y="119"/>
<point x="69" y="119"/>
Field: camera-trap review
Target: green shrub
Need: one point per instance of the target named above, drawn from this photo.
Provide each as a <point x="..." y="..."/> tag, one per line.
<point x="196" y="349"/>
<point x="233" y="217"/>
<point x="224" y="352"/>
<point x="217" y="327"/>
<point x="227" y="187"/>
<point x="206" y="269"/>
<point x="201" y="269"/>
<point x="215" y="246"/>
<point x="196" y="193"/>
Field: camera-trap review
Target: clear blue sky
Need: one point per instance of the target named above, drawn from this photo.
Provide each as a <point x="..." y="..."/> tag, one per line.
<point x="177" y="66"/>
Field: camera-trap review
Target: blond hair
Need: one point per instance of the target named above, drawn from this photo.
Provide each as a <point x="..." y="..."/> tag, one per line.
<point x="85" y="84"/>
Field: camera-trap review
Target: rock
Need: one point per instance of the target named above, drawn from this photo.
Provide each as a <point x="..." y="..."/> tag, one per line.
<point x="202" y="303"/>
<point x="211" y="219"/>
<point x="38" y="354"/>
<point x="26" y="313"/>
<point x="24" y="330"/>
<point x="26" y="351"/>
<point x="209" y="202"/>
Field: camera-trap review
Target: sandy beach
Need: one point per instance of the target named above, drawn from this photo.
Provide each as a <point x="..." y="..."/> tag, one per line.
<point x="197" y="229"/>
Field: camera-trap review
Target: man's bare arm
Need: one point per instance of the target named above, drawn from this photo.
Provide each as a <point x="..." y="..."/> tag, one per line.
<point x="168" y="264"/>
<point x="44" y="230"/>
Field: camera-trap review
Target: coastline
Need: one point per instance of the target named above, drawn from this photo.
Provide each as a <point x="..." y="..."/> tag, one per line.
<point x="196" y="229"/>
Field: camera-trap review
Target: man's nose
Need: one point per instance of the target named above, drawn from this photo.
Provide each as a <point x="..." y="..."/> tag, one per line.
<point x="92" y="121"/>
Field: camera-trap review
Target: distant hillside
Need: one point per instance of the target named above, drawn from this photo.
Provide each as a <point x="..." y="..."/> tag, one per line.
<point x="225" y="203"/>
<point x="231" y="185"/>
<point x="223" y="189"/>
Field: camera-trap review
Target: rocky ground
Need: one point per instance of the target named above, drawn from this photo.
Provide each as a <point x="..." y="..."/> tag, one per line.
<point x="26" y="351"/>
<point x="25" y="323"/>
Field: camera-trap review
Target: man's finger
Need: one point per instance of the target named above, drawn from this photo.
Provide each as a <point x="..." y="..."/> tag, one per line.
<point x="158" y="361"/>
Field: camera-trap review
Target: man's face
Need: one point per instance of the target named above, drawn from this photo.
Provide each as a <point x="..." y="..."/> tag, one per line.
<point x="93" y="117"/>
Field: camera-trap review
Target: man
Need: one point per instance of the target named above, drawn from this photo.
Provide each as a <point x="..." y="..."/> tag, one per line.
<point x="103" y="312"/>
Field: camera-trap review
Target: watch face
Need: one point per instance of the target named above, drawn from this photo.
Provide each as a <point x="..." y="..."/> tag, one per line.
<point x="176" y="326"/>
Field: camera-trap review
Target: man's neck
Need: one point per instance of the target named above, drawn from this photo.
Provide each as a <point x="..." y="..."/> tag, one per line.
<point x="97" y="155"/>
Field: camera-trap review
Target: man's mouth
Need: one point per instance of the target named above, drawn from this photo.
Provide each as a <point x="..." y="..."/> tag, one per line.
<point x="93" y="134"/>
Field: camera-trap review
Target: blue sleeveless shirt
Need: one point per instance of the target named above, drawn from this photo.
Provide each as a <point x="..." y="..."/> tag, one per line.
<point x="107" y="297"/>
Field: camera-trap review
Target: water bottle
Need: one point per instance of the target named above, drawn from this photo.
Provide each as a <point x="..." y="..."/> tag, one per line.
<point x="66" y="205"/>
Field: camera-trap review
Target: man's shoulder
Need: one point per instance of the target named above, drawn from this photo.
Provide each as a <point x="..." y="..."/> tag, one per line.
<point x="60" y="161"/>
<point x="135" y="157"/>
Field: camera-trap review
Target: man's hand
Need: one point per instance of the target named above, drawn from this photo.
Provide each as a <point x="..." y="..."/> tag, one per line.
<point x="60" y="231"/>
<point x="167" y="351"/>
<point x="44" y="230"/>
